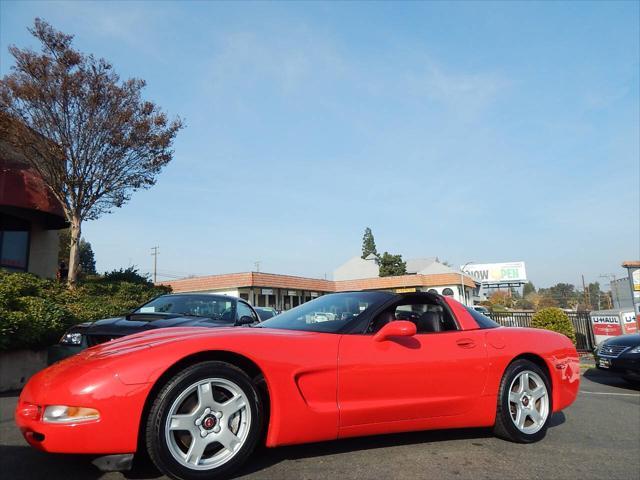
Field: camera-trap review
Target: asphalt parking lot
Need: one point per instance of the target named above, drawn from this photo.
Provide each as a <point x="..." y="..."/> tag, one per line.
<point x="597" y="437"/>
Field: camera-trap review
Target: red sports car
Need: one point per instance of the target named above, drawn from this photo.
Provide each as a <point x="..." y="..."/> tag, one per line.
<point x="199" y="400"/>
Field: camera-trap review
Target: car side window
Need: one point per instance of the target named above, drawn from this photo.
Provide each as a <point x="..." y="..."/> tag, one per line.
<point x="428" y="318"/>
<point x="245" y="311"/>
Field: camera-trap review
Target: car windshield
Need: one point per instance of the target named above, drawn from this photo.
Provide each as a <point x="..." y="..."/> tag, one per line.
<point x="265" y="313"/>
<point x="328" y="313"/>
<point x="213" y="306"/>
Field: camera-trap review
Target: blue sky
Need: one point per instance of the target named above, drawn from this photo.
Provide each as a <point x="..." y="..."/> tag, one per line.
<point x="469" y="131"/>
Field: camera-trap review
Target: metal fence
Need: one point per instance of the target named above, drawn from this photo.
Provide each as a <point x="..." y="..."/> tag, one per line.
<point x="580" y="320"/>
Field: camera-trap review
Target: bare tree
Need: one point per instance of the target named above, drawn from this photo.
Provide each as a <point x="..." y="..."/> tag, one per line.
<point x="90" y="136"/>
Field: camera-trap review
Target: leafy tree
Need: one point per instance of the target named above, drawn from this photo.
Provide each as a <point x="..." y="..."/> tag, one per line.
<point x="392" y="265"/>
<point x="532" y="301"/>
<point x="89" y="135"/>
<point x="129" y="274"/>
<point x="528" y="288"/>
<point x="368" y="244"/>
<point x="87" y="258"/>
<point x="501" y="298"/>
<point x="594" y="295"/>
<point x="547" y="301"/>
<point x="563" y="294"/>
<point x="605" y="300"/>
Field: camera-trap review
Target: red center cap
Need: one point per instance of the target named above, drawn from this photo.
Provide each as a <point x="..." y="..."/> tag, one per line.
<point x="209" y="422"/>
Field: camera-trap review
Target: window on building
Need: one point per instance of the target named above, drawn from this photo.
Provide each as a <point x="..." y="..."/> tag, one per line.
<point x="432" y="290"/>
<point x="14" y="243"/>
<point x="447" y="292"/>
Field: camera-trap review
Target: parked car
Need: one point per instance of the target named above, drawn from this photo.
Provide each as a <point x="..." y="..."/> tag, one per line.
<point x="265" y="313"/>
<point x="199" y="400"/>
<point x="172" y="310"/>
<point x="482" y="309"/>
<point x="620" y="356"/>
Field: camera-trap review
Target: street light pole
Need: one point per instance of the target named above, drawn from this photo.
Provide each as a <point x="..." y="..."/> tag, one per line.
<point x="464" y="297"/>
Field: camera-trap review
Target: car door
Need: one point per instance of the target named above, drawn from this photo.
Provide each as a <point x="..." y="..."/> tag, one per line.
<point x="431" y="374"/>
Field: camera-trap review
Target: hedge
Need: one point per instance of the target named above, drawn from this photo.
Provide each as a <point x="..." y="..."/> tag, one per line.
<point x="556" y="320"/>
<point x="35" y="312"/>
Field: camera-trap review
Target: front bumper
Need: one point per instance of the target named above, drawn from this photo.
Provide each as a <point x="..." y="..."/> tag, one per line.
<point x="626" y="364"/>
<point x="70" y="383"/>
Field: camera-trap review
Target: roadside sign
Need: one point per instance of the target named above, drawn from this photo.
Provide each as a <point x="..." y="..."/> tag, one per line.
<point x="612" y="323"/>
<point x="629" y="324"/>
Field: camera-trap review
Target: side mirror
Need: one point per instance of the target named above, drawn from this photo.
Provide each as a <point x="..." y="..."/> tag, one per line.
<point x="245" y="320"/>
<point x="397" y="328"/>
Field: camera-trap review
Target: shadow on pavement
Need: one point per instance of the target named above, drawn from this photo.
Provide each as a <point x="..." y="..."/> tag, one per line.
<point x="610" y="379"/>
<point x="22" y="462"/>
<point x="266" y="458"/>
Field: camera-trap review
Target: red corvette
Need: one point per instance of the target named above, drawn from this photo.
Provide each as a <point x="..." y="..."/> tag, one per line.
<point x="349" y="364"/>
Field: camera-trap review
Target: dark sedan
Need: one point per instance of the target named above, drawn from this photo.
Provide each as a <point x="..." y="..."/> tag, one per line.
<point x="620" y="355"/>
<point x="173" y="310"/>
<point x="265" y="313"/>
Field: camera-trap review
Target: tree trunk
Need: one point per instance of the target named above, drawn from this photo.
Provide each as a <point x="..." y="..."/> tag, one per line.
<point x="74" y="251"/>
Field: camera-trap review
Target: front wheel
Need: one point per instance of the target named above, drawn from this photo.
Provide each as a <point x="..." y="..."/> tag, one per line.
<point x="524" y="403"/>
<point x="204" y="423"/>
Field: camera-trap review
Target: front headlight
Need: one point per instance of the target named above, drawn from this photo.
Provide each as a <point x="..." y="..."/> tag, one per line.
<point x="66" y="414"/>
<point x="635" y="349"/>
<point x="71" y="338"/>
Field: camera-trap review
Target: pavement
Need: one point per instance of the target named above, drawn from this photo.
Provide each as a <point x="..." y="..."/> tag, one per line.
<point x="597" y="437"/>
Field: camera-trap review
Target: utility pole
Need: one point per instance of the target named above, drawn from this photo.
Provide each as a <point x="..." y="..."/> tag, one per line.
<point x="154" y="254"/>
<point x="587" y="297"/>
<point x="257" y="264"/>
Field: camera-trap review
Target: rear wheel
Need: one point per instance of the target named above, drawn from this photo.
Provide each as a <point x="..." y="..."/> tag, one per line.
<point x="524" y="403"/>
<point x="204" y="423"/>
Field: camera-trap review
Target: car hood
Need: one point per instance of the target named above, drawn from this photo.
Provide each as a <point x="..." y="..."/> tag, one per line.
<point x="170" y="335"/>
<point x="134" y="323"/>
<point x="631" y="340"/>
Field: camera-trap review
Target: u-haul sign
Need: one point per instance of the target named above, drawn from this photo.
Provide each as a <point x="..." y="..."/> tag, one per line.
<point x="629" y="322"/>
<point x="612" y="323"/>
<point x="608" y="325"/>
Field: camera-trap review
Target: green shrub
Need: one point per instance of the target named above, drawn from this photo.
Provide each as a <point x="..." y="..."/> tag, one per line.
<point x="129" y="274"/>
<point x="35" y="312"/>
<point x="556" y="320"/>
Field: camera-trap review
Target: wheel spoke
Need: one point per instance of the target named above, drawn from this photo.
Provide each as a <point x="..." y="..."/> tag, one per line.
<point x="535" y="416"/>
<point x="521" y="418"/>
<point x="232" y="406"/>
<point x="538" y="392"/>
<point x="196" y="449"/>
<point x="524" y="382"/>
<point x="182" y="422"/>
<point x="514" y="397"/>
<point x="228" y="440"/>
<point x="205" y="395"/>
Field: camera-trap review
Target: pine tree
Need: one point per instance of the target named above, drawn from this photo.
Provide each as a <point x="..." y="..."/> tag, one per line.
<point x="392" y="265"/>
<point x="368" y="244"/>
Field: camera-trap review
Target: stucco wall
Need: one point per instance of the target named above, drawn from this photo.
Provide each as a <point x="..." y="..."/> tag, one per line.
<point x="43" y="251"/>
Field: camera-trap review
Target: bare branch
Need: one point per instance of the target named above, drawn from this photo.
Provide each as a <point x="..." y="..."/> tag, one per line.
<point x="88" y="134"/>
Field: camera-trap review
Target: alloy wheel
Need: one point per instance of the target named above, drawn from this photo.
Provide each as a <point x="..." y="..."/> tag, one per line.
<point x="528" y="402"/>
<point x="208" y="423"/>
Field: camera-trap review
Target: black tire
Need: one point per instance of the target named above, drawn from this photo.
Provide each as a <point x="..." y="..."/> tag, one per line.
<point x="155" y="437"/>
<point x="505" y="427"/>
